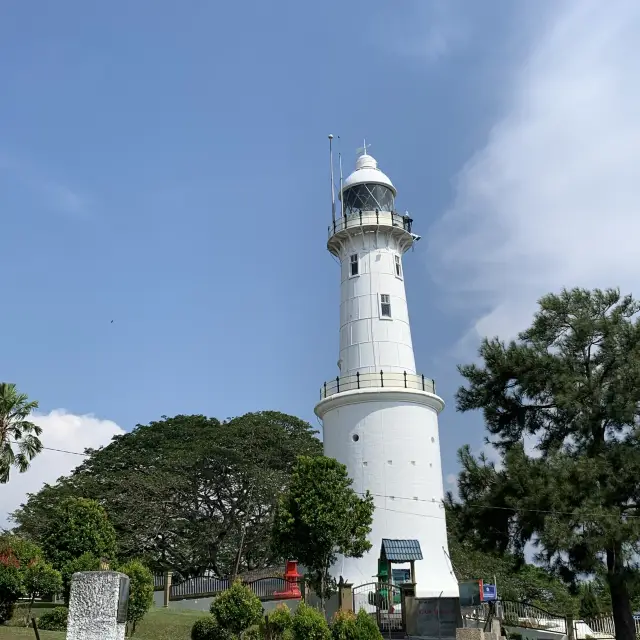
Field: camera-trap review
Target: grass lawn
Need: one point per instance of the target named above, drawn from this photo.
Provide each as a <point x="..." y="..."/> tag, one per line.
<point x="158" y="624"/>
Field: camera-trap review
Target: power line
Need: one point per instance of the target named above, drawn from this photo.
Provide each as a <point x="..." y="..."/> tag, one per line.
<point x="424" y="515"/>
<point x="73" y="453"/>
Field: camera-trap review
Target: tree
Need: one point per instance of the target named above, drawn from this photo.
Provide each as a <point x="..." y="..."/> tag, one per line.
<point x="589" y="605"/>
<point x="40" y="580"/>
<point x="86" y="562"/>
<point x="321" y="516"/>
<point x="140" y="591"/>
<point x="182" y="492"/>
<point x="80" y="526"/>
<point x="572" y="382"/>
<point x="515" y="580"/>
<point x="16" y="430"/>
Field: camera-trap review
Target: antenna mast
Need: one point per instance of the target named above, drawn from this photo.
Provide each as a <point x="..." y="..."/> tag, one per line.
<point x="341" y="194"/>
<point x="333" y="195"/>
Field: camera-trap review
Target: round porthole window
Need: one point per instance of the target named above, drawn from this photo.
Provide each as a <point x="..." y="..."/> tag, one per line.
<point x="355" y="437"/>
<point x="433" y="439"/>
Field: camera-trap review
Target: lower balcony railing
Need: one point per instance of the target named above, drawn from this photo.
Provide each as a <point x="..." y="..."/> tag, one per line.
<point x="390" y="379"/>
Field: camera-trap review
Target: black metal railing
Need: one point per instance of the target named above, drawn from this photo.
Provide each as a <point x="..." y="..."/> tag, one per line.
<point x="391" y="379"/>
<point x="269" y="588"/>
<point x="371" y="218"/>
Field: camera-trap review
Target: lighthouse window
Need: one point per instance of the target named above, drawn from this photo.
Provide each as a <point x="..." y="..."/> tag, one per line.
<point x="354" y="265"/>
<point x="385" y="305"/>
<point x="398" y="266"/>
<point x="367" y="197"/>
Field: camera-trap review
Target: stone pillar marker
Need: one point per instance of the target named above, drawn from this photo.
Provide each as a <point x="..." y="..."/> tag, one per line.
<point x="98" y="606"/>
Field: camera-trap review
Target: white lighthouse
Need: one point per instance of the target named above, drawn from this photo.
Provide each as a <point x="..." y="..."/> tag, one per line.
<point x="380" y="416"/>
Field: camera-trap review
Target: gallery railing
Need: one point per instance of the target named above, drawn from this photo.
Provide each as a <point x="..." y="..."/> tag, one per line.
<point x="370" y="218"/>
<point x="388" y="379"/>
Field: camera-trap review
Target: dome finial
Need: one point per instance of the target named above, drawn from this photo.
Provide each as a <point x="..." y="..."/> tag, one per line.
<point x="363" y="149"/>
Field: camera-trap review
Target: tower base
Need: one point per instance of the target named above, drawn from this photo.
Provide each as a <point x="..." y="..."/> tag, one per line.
<point x="388" y="440"/>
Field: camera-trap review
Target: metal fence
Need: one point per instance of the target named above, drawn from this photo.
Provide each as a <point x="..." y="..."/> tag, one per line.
<point x="603" y="627"/>
<point x="269" y="588"/>
<point x="516" y="614"/>
<point x="389" y="379"/>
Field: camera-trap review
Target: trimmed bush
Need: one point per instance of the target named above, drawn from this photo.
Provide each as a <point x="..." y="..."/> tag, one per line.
<point x="237" y="608"/>
<point x="54" y="620"/>
<point x="344" y="626"/>
<point x="279" y="624"/>
<point x="367" y="627"/>
<point x="207" y="628"/>
<point x="10" y="590"/>
<point x="140" y="591"/>
<point x="309" y="624"/>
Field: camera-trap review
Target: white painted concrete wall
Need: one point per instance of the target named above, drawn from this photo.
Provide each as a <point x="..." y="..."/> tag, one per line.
<point x="368" y="342"/>
<point x="396" y="456"/>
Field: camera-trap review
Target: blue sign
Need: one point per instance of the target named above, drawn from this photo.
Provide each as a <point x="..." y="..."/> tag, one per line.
<point x="489" y="592"/>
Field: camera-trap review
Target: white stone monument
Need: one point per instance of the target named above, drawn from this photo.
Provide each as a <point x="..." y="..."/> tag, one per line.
<point x="98" y="606"/>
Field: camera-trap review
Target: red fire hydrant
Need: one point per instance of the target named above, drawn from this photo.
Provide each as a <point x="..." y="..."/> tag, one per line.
<point x="292" y="578"/>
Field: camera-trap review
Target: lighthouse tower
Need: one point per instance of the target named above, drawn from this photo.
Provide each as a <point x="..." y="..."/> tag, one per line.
<point x="380" y="416"/>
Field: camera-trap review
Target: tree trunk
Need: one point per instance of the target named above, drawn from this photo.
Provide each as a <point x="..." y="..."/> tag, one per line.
<point x="620" y="601"/>
<point x="322" y="592"/>
<point x="33" y="598"/>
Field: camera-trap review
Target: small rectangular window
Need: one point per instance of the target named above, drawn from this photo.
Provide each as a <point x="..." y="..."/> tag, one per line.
<point x="385" y="305"/>
<point x="398" y="267"/>
<point x="354" y="264"/>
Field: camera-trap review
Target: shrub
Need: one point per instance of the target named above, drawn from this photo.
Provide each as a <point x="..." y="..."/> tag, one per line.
<point x="86" y="562"/>
<point x="237" y="608"/>
<point x="367" y="627"/>
<point x="252" y="633"/>
<point x="309" y="624"/>
<point x="10" y="590"/>
<point x="344" y="626"/>
<point x="54" y="620"/>
<point x="278" y="624"/>
<point x="208" y="629"/>
<point x="140" y="591"/>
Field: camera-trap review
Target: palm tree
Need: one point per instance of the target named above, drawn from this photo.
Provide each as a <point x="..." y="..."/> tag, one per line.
<point x="15" y="429"/>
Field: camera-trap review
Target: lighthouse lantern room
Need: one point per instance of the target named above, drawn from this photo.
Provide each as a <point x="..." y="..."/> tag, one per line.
<point x="379" y="414"/>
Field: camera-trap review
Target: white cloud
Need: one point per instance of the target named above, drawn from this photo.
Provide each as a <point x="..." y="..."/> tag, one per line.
<point x="60" y="430"/>
<point x="553" y="199"/>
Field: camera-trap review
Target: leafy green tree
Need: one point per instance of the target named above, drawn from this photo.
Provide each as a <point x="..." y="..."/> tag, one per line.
<point x="85" y="562"/>
<point x="140" y="591"/>
<point x="16" y="431"/>
<point x="40" y="579"/>
<point x="187" y="493"/>
<point x="589" y="605"/>
<point x="80" y="526"/>
<point x="309" y="624"/>
<point x="515" y="580"/>
<point x="572" y="382"/>
<point x="321" y="516"/>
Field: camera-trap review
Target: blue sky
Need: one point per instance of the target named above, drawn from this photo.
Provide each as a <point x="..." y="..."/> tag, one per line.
<point x="164" y="165"/>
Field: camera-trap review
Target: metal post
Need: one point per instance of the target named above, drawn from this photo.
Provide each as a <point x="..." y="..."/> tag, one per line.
<point x="405" y="379"/>
<point x="423" y="381"/>
<point x="338" y="383"/>
<point x="377" y="218"/>
<point x="381" y="379"/>
<point x="360" y="217"/>
<point x="325" y="389"/>
<point x="358" y="378"/>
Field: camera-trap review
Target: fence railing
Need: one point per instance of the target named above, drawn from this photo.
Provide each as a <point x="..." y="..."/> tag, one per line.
<point x="517" y="614"/>
<point x="387" y="379"/>
<point x="605" y="626"/>
<point x="269" y="588"/>
<point x="370" y="218"/>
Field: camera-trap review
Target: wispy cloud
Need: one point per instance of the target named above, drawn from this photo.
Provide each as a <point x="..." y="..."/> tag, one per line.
<point x="53" y="195"/>
<point x="433" y="30"/>
<point x="553" y="199"/>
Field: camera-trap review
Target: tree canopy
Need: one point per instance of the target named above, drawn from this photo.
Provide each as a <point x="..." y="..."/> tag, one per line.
<point x="570" y="383"/>
<point x="181" y="491"/>
<point x="321" y="516"/>
<point x="19" y="441"/>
